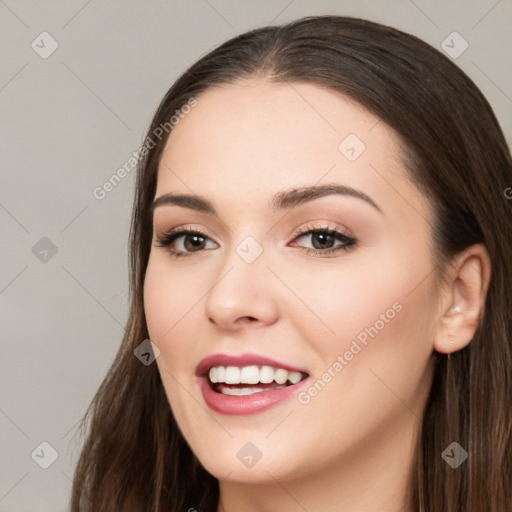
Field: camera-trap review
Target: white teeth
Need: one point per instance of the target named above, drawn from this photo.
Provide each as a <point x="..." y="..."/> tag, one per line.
<point x="266" y="374"/>
<point x="294" y="377"/>
<point x="281" y="376"/>
<point x="232" y="375"/>
<point x="252" y="375"/>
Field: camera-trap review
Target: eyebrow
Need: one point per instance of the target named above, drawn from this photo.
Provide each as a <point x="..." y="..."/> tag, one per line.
<point x="284" y="200"/>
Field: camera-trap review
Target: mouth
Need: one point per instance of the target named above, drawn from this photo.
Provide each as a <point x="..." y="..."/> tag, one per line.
<point x="247" y="383"/>
<point x="248" y="380"/>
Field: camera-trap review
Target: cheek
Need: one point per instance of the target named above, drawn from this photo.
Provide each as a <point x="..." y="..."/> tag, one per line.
<point x="159" y="301"/>
<point x="169" y="298"/>
<point x="169" y="307"/>
<point x="376" y="312"/>
<point x="377" y="357"/>
<point x="170" y="303"/>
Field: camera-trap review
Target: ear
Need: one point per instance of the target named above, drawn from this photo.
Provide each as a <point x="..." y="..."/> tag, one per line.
<point x="463" y="299"/>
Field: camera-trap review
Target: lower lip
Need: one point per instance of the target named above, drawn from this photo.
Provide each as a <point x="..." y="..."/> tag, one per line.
<point x="248" y="404"/>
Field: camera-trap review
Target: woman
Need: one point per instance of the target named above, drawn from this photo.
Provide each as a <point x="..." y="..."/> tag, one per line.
<point x="320" y="256"/>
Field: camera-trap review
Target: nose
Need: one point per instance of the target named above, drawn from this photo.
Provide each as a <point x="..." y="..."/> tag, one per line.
<point x="244" y="295"/>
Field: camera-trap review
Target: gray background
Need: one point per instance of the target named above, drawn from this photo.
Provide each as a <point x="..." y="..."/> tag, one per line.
<point x="68" y="122"/>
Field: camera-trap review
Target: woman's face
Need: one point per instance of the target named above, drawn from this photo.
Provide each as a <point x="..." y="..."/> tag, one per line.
<point x="337" y="284"/>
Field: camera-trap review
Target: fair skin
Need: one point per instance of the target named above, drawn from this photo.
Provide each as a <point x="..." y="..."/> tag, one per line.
<point x="350" y="447"/>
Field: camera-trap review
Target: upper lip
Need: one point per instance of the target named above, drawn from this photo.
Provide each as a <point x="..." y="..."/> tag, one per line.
<point x="240" y="360"/>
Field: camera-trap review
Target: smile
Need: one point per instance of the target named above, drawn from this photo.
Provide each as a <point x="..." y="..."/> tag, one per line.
<point x="237" y="387"/>
<point x="232" y="380"/>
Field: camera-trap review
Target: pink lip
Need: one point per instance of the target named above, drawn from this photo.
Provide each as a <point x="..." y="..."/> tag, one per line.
<point x="248" y="404"/>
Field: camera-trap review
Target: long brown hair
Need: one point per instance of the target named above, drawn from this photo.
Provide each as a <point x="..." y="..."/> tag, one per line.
<point x="135" y="458"/>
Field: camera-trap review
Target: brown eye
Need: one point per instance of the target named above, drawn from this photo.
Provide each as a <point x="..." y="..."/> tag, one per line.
<point x="323" y="242"/>
<point x="193" y="242"/>
<point x="185" y="242"/>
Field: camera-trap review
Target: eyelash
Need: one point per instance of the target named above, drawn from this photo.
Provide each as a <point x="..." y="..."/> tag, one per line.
<point x="348" y="242"/>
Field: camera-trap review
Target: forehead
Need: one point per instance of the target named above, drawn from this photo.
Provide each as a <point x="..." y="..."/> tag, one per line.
<point x="256" y="117"/>
<point x="256" y="137"/>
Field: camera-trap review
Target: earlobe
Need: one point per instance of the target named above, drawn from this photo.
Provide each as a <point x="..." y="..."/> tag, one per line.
<point x="465" y="295"/>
